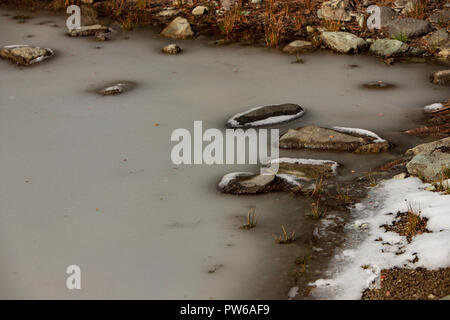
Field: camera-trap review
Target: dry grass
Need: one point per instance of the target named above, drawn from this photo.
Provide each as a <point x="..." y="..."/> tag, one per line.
<point x="371" y="179"/>
<point x="229" y="21"/>
<point x="251" y="220"/>
<point x="419" y="10"/>
<point x="332" y="25"/>
<point x="414" y="222"/>
<point x="316" y="212"/>
<point x="342" y="194"/>
<point x="318" y="187"/>
<point x="286" y="237"/>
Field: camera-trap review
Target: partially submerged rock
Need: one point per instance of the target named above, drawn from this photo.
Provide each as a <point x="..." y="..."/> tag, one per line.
<point x="430" y="160"/>
<point x="298" y="46"/>
<point x="441" y="77"/>
<point x="335" y="10"/>
<point x="409" y="27"/>
<point x="344" y="42"/>
<point x="388" y="47"/>
<point x="179" y="28"/>
<point x="306" y="169"/>
<point x="266" y="115"/>
<point x="116" y="88"/>
<point x="336" y="139"/>
<point x="250" y="183"/>
<point x="25" y="55"/>
<point x="88" y="31"/>
<point x="171" y="49"/>
<point x="378" y="85"/>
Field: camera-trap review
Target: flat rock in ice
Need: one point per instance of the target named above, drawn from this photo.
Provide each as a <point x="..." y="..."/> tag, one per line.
<point x="336" y="139"/>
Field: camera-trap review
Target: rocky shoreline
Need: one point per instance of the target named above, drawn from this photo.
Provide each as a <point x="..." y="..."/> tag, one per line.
<point x="414" y="28"/>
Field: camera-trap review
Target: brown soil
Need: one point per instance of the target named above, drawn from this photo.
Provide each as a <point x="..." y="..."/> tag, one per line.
<point x="411" y="284"/>
<point x="408" y="224"/>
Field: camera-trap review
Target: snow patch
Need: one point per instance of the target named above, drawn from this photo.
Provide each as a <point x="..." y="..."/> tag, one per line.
<point x="361" y="132"/>
<point x="374" y="249"/>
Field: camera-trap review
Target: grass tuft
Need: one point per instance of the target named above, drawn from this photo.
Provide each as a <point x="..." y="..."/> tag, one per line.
<point x="251" y="220"/>
<point x="286" y="237"/>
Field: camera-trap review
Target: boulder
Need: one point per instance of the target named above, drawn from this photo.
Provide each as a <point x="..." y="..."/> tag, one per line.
<point x="199" y="10"/>
<point x="388" y="47"/>
<point x="430" y="159"/>
<point x="87" y="31"/>
<point x="409" y="27"/>
<point x="428" y="147"/>
<point x="298" y="46"/>
<point x="179" y="28"/>
<point x="441" y="16"/>
<point x="25" y="55"/>
<point x="437" y="38"/>
<point x="266" y="115"/>
<point x="336" y="139"/>
<point x="387" y="15"/>
<point x="441" y="77"/>
<point x="171" y="49"/>
<point x="335" y="10"/>
<point x="344" y="42"/>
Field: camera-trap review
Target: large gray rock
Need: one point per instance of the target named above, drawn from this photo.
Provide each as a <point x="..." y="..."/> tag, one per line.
<point x="430" y="159"/>
<point x="441" y="16"/>
<point x="441" y="77"/>
<point x="298" y="46"/>
<point x="409" y="27"/>
<point x="344" y="42"/>
<point x="387" y="15"/>
<point x="388" y="47"/>
<point x="179" y="28"/>
<point x="335" y="10"/>
<point x="337" y="138"/>
<point x="25" y="55"/>
<point x="437" y="38"/>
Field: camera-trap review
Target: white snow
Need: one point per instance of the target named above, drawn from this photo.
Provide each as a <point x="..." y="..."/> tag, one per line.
<point x="290" y="179"/>
<point x="316" y="162"/>
<point x="433" y="107"/>
<point x="268" y="121"/>
<point x="347" y="278"/>
<point x="231" y="176"/>
<point x="362" y="132"/>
